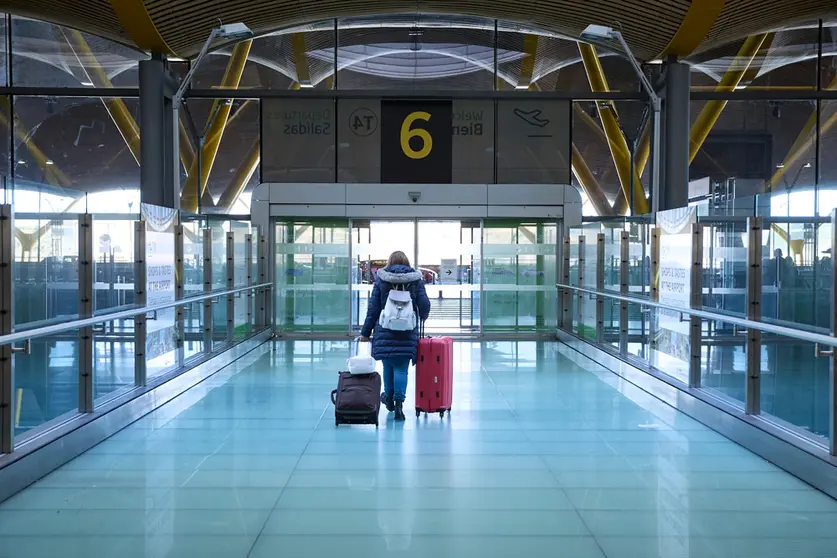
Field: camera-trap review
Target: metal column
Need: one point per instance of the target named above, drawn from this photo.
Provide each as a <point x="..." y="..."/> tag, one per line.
<point x="752" y="397"/>
<point x="159" y="140"/>
<point x="677" y="124"/>
<point x="624" y="289"/>
<point x="579" y="310"/>
<point x="566" y="294"/>
<point x="832" y="382"/>
<point x="85" y="310"/>
<point x="248" y="257"/>
<point x="230" y="285"/>
<point x="696" y="301"/>
<point x="600" y="282"/>
<point x="207" y="288"/>
<point x="180" y="311"/>
<point x="140" y="297"/>
<point x="7" y="384"/>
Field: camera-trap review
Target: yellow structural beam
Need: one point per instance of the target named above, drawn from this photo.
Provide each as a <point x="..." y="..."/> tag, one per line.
<point x="194" y="189"/>
<point x="527" y="66"/>
<point x="52" y="174"/>
<point x="303" y="72"/>
<point x="712" y="109"/>
<point x="803" y="143"/>
<point x="119" y="113"/>
<point x="187" y="149"/>
<point x="615" y="139"/>
<point x="139" y="26"/>
<point x="241" y="177"/>
<point x="589" y="184"/>
<point x="693" y="29"/>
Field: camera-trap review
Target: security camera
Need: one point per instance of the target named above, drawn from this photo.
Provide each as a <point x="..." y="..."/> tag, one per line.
<point x="414" y="196"/>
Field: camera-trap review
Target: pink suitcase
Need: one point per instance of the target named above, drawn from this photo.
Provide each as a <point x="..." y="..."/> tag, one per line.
<point x="434" y="375"/>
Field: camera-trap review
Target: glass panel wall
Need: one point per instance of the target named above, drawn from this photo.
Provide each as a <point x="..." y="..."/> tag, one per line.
<point x="519" y="274"/>
<point x="792" y="374"/>
<point x="45" y="285"/>
<point x="312" y="276"/>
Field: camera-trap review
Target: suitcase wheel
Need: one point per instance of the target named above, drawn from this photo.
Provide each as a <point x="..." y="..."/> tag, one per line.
<point x="442" y="413"/>
<point x="418" y="413"/>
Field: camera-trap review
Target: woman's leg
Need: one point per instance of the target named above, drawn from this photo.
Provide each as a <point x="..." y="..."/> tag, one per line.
<point x="399" y="377"/>
<point x="388" y="372"/>
<point x="386" y="397"/>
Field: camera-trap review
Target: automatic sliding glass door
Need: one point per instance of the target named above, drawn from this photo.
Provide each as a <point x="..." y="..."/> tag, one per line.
<point x="372" y="243"/>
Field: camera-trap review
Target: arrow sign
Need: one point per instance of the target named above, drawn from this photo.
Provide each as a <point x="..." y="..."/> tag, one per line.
<point x="448" y="272"/>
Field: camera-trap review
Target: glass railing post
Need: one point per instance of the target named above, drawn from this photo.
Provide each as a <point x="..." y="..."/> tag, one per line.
<point x="696" y="301"/>
<point x="7" y="384"/>
<point x="263" y="296"/>
<point x="624" y="289"/>
<point x="140" y="297"/>
<point x="654" y="272"/>
<point x="248" y="258"/>
<point x="180" y="311"/>
<point x="600" y="281"/>
<point x="832" y="382"/>
<point x="566" y="294"/>
<point x="230" y="285"/>
<point x="85" y="310"/>
<point x="207" y="288"/>
<point x="752" y="396"/>
<point x="579" y="308"/>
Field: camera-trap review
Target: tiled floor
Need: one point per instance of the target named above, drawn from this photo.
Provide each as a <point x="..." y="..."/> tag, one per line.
<point x="544" y="455"/>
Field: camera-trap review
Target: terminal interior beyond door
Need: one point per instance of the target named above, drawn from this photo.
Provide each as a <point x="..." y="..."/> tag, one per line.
<point x="482" y="275"/>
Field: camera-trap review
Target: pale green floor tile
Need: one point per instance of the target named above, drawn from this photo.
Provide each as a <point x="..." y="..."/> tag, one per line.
<point x="541" y="457"/>
<point x="423" y="546"/>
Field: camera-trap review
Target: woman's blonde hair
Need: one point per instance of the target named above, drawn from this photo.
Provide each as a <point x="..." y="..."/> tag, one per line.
<point x="398" y="258"/>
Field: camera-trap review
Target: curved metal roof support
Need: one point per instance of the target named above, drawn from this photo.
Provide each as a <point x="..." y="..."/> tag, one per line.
<point x="52" y="174"/>
<point x="118" y="111"/>
<point x="615" y="138"/>
<point x="242" y="177"/>
<point x="589" y="184"/>
<point x="192" y="191"/>
<point x="712" y="109"/>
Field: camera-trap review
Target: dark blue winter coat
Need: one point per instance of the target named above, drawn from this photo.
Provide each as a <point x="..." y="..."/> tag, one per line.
<point x="387" y="343"/>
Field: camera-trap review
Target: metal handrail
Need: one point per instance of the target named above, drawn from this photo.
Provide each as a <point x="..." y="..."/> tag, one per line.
<point x="122" y="315"/>
<point x="802" y="335"/>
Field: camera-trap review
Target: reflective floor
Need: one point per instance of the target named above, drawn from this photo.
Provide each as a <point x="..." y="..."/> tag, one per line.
<point x="544" y="455"/>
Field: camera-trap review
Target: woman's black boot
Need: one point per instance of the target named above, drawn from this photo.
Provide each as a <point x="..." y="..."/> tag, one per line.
<point x="399" y="410"/>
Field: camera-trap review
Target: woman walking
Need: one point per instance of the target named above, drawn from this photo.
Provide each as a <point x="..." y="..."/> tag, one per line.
<point x="393" y="343"/>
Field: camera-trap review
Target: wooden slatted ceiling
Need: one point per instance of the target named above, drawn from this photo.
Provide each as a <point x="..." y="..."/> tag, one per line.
<point x="93" y="16"/>
<point x="741" y="18"/>
<point x="648" y="24"/>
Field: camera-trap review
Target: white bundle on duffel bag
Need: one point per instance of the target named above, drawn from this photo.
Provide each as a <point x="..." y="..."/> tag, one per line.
<point x="398" y="313"/>
<point x="362" y="362"/>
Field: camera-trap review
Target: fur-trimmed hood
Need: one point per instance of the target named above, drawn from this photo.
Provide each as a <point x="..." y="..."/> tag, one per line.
<point x="399" y="275"/>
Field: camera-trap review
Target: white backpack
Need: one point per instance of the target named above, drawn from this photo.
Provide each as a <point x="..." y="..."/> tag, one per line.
<point x="398" y="313"/>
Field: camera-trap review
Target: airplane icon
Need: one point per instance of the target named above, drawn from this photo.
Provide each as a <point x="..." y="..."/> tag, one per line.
<point x="532" y="117"/>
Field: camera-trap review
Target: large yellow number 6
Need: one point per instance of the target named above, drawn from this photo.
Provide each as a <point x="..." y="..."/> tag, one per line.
<point x="407" y="133"/>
